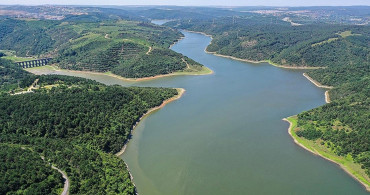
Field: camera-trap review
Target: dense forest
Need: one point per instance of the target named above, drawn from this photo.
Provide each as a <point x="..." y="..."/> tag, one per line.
<point x="75" y="124"/>
<point x="33" y="38"/>
<point x="95" y="115"/>
<point x="158" y="62"/>
<point x="268" y="38"/>
<point x="131" y="49"/>
<point x="342" y="125"/>
<point x="24" y="172"/>
<point x="13" y="77"/>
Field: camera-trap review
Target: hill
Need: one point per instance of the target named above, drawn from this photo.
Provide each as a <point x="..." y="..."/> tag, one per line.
<point x="132" y="49"/>
<point x="75" y="124"/>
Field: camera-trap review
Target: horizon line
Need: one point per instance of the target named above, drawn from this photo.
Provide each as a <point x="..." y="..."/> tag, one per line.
<point x="228" y="6"/>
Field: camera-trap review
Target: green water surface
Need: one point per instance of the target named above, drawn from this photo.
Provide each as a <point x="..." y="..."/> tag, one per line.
<point x="226" y="136"/>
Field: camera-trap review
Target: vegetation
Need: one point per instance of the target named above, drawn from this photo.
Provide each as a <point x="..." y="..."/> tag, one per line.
<point x="130" y="49"/>
<point x="13" y="77"/>
<point x="31" y="38"/>
<point x="158" y="62"/>
<point x="321" y="148"/>
<point x="343" y="125"/>
<point x="95" y="115"/>
<point x="77" y="125"/>
<point x="24" y="172"/>
<point x="124" y="52"/>
<point x="89" y="171"/>
<point x="270" y="39"/>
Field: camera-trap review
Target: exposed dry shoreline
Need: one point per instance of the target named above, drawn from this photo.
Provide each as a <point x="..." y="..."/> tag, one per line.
<point x="56" y="69"/>
<point x="264" y="61"/>
<point x="316" y="82"/>
<point x="295" y="141"/>
<point x="327" y="97"/>
<point x="290" y="129"/>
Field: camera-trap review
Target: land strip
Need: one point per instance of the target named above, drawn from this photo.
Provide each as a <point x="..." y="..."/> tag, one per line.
<point x="39" y="71"/>
<point x="316" y="82"/>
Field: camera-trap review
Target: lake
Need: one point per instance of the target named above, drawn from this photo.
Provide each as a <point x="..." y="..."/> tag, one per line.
<point x="225" y="135"/>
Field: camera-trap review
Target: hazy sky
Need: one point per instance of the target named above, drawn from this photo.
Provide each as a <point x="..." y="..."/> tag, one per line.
<point x="192" y="2"/>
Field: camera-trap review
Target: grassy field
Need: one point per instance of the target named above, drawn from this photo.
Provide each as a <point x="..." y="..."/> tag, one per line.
<point x="326" y="41"/>
<point x="10" y="55"/>
<point x="347" y="34"/>
<point x="203" y="71"/>
<point x="18" y="59"/>
<point x="345" y="162"/>
<point x="342" y="34"/>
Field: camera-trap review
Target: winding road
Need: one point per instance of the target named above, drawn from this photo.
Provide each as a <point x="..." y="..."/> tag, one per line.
<point x="66" y="182"/>
<point x="149" y="50"/>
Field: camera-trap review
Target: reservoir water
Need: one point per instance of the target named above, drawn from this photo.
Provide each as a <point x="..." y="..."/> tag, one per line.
<point x="225" y="135"/>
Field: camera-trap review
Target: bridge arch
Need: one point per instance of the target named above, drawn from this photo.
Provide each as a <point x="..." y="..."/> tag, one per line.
<point x="34" y="63"/>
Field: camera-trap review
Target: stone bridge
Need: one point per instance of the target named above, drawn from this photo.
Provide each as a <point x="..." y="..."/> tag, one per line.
<point x="34" y="63"/>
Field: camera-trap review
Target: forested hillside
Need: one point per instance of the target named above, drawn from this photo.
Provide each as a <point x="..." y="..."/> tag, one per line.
<point x="33" y="38"/>
<point x="75" y="124"/>
<point x="343" y="125"/>
<point x="268" y="38"/>
<point x="131" y="49"/>
<point x="13" y="77"/>
<point x="24" y="172"/>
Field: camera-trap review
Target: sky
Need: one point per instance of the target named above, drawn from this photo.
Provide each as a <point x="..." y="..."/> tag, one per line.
<point x="192" y="2"/>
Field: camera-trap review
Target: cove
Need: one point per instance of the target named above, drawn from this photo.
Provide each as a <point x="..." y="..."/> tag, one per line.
<point x="225" y="135"/>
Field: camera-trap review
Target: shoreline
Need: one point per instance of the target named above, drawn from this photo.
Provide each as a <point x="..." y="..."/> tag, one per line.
<point x="253" y="61"/>
<point x="175" y="42"/>
<point x="315" y="152"/>
<point x="327" y="97"/>
<point x="203" y="33"/>
<point x="296" y="141"/>
<point x="264" y="61"/>
<point x="131" y="177"/>
<point x="316" y="82"/>
<point x="207" y="71"/>
<point x="180" y="92"/>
